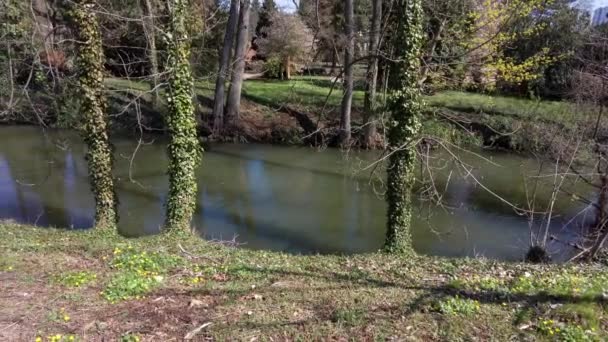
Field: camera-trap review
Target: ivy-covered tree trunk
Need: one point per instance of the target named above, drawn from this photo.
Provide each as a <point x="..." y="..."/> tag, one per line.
<point x="184" y="149"/>
<point x="94" y="125"/>
<point x="405" y="105"/>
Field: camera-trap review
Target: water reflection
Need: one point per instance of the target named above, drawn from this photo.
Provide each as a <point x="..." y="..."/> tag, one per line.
<point x="290" y="199"/>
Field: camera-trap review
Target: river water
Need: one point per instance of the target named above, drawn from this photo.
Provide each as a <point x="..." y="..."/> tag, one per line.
<point x="291" y="199"/>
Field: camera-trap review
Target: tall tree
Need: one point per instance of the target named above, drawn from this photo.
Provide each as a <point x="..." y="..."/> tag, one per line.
<point x="150" y="32"/>
<point x="405" y="105"/>
<point x="220" y="84"/>
<point x="371" y="79"/>
<point x="184" y="149"/>
<point x="233" y="103"/>
<point x="269" y="8"/>
<point x="347" y="99"/>
<point x="288" y="39"/>
<point x="94" y="125"/>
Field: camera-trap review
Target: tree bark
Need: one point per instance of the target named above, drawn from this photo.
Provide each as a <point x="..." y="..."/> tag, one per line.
<point x="371" y="81"/>
<point x="426" y="67"/>
<point x="600" y="227"/>
<point x="334" y="61"/>
<point x="184" y="149"/>
<point x="287" y="68"/>
<point x="94" y="121"/>
<point x="224" y="67"/>
<point x="347" y="99"/>
<point x="233" y="104"/>
<point x="44" y="19"/>
<point x="150" y="32"/>
<point x="405" y="105"/>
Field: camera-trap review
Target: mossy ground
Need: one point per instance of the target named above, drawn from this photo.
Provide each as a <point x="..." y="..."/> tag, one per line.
<point x="93" y="285"/>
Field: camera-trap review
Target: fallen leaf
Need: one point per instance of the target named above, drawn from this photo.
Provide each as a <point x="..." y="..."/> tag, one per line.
<point x="194" y="332"/>
<point x="195" y="303"/>
<point x="220" y="277"/>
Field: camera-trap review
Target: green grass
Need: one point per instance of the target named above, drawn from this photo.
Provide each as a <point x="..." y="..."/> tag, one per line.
<point x="169" y="285"/>
<point x="301" y="92"/>
<point x="312" y="93"/>
<point x="469" y="119"/>
<point x="550" y="111"/>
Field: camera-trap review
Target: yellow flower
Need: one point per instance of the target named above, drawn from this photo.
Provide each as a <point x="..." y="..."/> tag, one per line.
<point x="66" y="318"/>
<point x="38" y="339"/>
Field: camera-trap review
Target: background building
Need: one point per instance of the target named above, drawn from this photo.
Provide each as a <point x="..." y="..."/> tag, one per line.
<point x="600" y="16"/>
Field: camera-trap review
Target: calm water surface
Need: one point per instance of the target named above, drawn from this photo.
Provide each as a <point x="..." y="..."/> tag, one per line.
<point x="280" y="198"/>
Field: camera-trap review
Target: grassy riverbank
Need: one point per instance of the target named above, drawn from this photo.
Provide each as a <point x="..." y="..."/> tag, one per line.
<point x="89" y="285"/>
<point x="517" y="124"/>
<point x="285" y="112"/>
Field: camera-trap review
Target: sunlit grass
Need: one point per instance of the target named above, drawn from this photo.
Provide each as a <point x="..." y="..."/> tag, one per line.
<point x="551" y="111"/>
<point x="325" y="295"/>
<point x="314" y="93"/>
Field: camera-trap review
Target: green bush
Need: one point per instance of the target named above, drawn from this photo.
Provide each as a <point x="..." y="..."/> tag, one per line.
<point x="274" y="68"/>
<point x="76" y="279"/>
<point x="458" y="306"/>
<point x="129" y="285"/>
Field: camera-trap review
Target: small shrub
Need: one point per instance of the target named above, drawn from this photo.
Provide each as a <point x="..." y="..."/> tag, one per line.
<point x="274" y="68"/>
<point x="349" y="317"/>
<point x="129" y="338"/>
<point x="139" y="273"/>
<point x="478" y="283"/>
<point x="76" y="279"/>
<point x="58" y="338"/>
<point x="447" y="132"/>
<point x="58" y="316"/>
<point x="143" y="263"/>
<point x="129" y="285"/>
<point x="559" y="331"/>
<point x="565" y="283"/>
<point x="458" y="306"/>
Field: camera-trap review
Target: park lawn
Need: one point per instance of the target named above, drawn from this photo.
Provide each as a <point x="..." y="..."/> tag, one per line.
<point x="94" y="285"/>
<point x="315" y="93"/>
<point x="308" y="93"/>
<point x="561" y="112"/>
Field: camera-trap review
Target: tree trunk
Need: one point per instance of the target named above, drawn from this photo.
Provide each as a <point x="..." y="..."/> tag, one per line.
<point x="428" y="60"/>
<point x="233" y="104"/>
<point x="287" y="68"/>
<point x="44" y="22"/>
<point x="405" y="105"/>
<point x="334" y="60"/>
<point x="600" y="231"/>
<point x="150" y="32"/>
<point x="371" y="81"/>
<point x="184" y="149"/>
<point x="94" y="124"/>
<point x="347" y="99"/>
<point x="224" y="67"/>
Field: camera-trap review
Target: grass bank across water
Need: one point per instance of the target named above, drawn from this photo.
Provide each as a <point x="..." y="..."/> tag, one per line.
<point x="86" y="286"/>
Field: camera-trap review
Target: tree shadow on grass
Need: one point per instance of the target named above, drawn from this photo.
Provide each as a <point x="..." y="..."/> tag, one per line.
<point x="316" y="287"/>
<point x="436" y="291"/>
